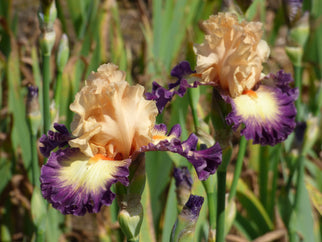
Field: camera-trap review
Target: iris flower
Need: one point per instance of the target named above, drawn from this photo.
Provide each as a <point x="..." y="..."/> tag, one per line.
<point x="113" y="123"/>
<point x="230" y="59"/>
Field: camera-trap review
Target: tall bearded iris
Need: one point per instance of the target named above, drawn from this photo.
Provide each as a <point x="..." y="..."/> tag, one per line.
<point x="113" y="123"/>
<point x="230" y="59"/>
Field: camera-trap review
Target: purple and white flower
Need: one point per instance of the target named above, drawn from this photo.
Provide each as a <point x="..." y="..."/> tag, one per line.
<point x="230" y="59"/>
<point x="113" y="122"/>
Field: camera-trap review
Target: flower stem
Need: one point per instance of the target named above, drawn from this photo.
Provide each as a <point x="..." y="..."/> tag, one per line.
<point x="133" y="240"/>
<point x="220" y="233"/>
<point x="298" y="80"/>
<point x="222" y="135"/>
<point x="58" y="89"/>
<point x="238" y="167"/>
<point x="299" y="191"/>
<point x="209" y="186"/>
<point x="47" y="15"/>
<point x="212" y="209"/>
<point x="35" y="165"/>
<point x="272" y="195"/>
<point x="193" y="94"/>
<point x="46" y="84"/>
<point x="221" y="195"/>
<point x="263" y="175"/>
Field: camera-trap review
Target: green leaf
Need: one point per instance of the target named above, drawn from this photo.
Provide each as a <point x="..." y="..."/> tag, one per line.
<point x="245" y="226"/>
<point x="301" y="220"/>
<point x="179" y="110"/>
<point x="158" y="169"/>
<point x="170" y="22"/>
<point x="170" y="213"/>
<point x="6" y="223"/>
<point x="257" y="7"/>
<point x="315" y="196"/>
<point x="54" y="224"/>
<point x="20" y="133"/>
<point x="5" y="172"/>
<point x="147" y="228"/>
<point x="257" y="220"/>
<point x="38" y="209"/>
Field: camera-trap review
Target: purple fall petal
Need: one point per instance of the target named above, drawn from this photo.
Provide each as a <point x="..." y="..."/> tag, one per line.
<point x="62" y="190"/>
<point x="54" y="139"/>
<point x="275" y="128"/>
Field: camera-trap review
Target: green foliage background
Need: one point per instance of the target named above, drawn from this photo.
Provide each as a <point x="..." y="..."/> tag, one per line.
<point x="146" y="39"/>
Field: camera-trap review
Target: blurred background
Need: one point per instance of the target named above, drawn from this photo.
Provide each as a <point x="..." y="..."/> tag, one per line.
<point x="147" y="38"/>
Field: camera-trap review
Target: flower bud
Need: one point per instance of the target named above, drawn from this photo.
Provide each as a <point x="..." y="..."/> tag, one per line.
<point x="297" y="39"/>
<point x="293" y="10"/>
<point x="47" y="15"/>
<point x="295" y="53"/>
<point x="33" y="110"/>
<point x="54" y="114"/>
<point x="203" y="134"/>
<point x="301" y="30"/>
<point x="184" y="227"/>
<point x="47" y="41"/>
<point x="63" y="53"/>
<point x="230" y="214"/>
<point x="299" y="132"/>
<point x="183" y="185"/>
<point x="128" y="199"/>
<point x="130" y="218"/>
<point x="312" y="133"/>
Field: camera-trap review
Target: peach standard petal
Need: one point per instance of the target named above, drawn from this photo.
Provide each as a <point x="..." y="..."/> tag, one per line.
<point x="111" y="118"/>
<point x="232" y="53"/>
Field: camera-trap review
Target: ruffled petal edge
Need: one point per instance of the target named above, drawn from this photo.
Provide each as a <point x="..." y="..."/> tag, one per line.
<point x="204" y="161"/>
<point x="75" y="186"/>
<point x="274" y="128"/>
<point x="162" y="95"/>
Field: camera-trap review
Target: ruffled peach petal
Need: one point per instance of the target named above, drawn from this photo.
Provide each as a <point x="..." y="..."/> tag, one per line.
<point x="112" y="118"/>
<point x="232" y="53"/>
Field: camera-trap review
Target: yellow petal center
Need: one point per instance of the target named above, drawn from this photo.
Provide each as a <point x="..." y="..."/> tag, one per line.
<point x="97" y="158"/>
<point x="159" y="137"/>
<point x="80" y="172"/>
<point x="260" y="105"/>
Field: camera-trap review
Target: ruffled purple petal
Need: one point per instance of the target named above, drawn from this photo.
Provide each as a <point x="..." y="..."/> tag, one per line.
<point x="205" y="161"/>
<point x="159" y="94"/>
<point x="274" y="118"/>
<point x="74" y="185"/>
<point x="181" y="70"/>
<point x="162" y="128"/>
<point x="175" y="131"/>
<point x="185" y="80"/>
<point x="54" y="139"/>
<point x="283" y="80"/>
